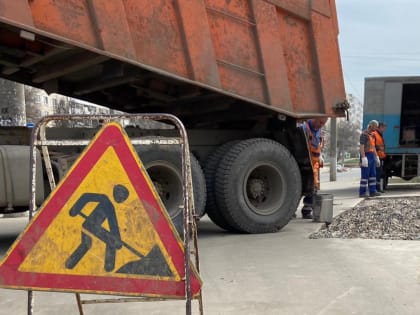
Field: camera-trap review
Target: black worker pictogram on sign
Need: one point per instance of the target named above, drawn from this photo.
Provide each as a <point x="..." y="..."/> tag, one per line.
<point x="102" y="230"/>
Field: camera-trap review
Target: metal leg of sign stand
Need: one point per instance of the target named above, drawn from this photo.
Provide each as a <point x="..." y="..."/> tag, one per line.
<point x="190" y="227"/>
<point x="79" y="303"/>
<point x="32" y="202"/>
<point x="190" y="230"/>
<point x="200" y="297"/>
<point x="30" y="302"/>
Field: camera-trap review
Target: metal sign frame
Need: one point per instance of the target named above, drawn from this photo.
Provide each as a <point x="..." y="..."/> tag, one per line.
<point x="39" y="140"/>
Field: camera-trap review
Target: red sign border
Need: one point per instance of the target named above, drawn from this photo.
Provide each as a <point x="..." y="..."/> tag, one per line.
<point x="111" y="135"/>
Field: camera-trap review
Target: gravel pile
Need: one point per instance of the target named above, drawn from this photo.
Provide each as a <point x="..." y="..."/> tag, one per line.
<point x="380" y="218"/>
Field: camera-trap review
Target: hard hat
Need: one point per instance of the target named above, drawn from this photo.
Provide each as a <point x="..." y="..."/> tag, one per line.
<point x="373" y="122"/>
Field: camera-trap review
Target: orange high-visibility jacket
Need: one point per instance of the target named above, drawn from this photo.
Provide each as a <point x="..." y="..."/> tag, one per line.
<point x="315" y="143"/>
<point x="379" y="144"/>
<point x="370" y="145"/>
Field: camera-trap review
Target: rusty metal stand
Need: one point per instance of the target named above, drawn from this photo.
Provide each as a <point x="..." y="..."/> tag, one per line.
<point x="39" y="139"/>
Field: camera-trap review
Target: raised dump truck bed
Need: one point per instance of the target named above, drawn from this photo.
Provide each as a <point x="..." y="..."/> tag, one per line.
<point x="239" y="74"/>
<point x="183" y="57"/>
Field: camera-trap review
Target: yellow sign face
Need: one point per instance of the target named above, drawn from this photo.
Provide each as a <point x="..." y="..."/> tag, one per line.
<point x="66" y="233"/>
<point x="102" y="230"/>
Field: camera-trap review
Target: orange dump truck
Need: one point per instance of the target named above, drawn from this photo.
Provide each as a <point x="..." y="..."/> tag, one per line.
<point x="240" y="74"/>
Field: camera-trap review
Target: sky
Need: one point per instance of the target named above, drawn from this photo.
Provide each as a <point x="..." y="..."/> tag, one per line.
<point x="378" y="38"/>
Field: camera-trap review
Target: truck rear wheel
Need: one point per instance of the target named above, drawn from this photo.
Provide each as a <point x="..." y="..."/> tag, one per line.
<point x="164" y="167"/>
<point x="210" y="169"/>
<point x="258" y="186"/>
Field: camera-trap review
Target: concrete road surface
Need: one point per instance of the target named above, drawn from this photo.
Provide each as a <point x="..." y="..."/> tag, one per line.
<point x="281" y="273"/>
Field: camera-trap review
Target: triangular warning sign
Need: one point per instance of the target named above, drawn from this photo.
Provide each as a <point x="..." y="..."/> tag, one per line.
<point x="102" y="230"/>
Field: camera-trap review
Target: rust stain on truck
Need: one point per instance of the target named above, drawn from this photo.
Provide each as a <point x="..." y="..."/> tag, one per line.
<point x="279" y="54"/>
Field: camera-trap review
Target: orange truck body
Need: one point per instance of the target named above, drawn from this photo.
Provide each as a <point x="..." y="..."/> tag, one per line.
<point x="240" y="74"/>
<point x="280" y="54"/>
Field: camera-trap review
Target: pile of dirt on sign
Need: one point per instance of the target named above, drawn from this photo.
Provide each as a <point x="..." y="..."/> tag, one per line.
<point x="380" y="218"/>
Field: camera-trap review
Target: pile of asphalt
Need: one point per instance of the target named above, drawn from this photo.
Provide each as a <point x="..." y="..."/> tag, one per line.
<point x="376" y="218"/>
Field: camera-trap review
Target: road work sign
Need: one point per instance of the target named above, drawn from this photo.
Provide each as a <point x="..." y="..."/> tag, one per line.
<point x="102" y="230"/>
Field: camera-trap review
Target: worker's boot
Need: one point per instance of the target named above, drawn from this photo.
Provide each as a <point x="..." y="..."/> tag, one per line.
<point x="306" y="213"/>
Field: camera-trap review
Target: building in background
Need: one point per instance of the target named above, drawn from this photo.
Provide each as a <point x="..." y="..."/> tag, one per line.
<point x="12" y="104"/>
<point x="22" y="105"/>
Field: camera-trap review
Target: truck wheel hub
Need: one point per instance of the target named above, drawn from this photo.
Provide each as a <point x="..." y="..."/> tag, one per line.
<point x="256" y="189"/>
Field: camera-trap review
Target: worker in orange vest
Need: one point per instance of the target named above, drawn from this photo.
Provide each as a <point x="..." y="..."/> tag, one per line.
<point x="380" y="150"/>
<point x="313" y="132"/>
<point x="369" y="160"/>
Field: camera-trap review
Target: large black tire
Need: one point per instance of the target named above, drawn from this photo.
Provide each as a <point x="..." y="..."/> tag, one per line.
<point x="258" y="186"/>
<point x="164" y="166"/>
<point x="210" y="169"/>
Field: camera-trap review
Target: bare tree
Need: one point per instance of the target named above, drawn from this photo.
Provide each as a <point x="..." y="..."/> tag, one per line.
<point x="347" y="140"/>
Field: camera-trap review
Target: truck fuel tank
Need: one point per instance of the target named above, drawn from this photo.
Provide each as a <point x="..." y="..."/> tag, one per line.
<point x="15" y="178"/>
